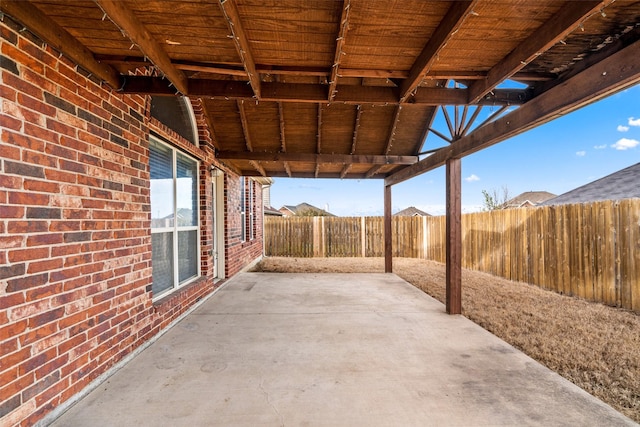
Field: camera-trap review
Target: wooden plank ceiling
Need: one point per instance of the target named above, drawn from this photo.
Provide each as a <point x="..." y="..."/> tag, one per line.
<point x="347" y="88"/>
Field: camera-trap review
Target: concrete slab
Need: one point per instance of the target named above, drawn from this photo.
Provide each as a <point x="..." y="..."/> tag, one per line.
<point x="333" y="350"/>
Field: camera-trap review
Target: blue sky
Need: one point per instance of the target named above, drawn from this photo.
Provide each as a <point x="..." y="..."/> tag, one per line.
<point x="558" y="156"/>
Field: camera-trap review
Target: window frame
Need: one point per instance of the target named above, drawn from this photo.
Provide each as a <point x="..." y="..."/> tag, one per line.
<point x="175" y="229"/>
<point x="252" y="208"/>
<point x="243" y="209"/>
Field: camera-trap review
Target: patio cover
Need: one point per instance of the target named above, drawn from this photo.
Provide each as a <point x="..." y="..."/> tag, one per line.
<point x="350" y="88"/>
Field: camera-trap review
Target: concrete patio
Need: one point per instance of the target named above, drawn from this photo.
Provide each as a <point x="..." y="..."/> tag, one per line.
<point x="332" y="350"/>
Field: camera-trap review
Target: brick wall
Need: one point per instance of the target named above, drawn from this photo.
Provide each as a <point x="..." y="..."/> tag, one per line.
<point x="75" y="242"/>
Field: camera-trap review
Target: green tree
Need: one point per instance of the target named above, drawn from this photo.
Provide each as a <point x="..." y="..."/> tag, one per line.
<point x="494" y="199"/>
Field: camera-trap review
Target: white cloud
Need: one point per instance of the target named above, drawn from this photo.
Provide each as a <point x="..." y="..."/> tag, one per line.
<point x="600" y="147"/>
<point x="625" y="144"/>
<point x="472" y="178"/>
<point x="581" y="153"/>
<point x="622" y="128"/>
<point x="634" y="122"/>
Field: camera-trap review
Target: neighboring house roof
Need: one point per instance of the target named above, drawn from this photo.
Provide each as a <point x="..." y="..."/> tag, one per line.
<point x="624" y="184"/>
<point x="269" y="210"/>
<point x="529" y="198"/>
<point x="411" y="211"/>
<point x="303" y="209"/>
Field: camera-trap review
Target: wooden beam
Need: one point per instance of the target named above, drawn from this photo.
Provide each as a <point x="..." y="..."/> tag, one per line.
<point x="367" y="159"/>
<point x="345" y="170"/>
<point x="373" y="171"/>
<point x="287" y="169"/>
<point x="565" y="21"/>
<point x="453" y="238"/>
<point x="450" y="24"/>
<point x="245" y="125"/>
<point x="230" y="11"/>
<point x="388" y="235"/>
<point x="58" y="38"/>
<point x="340" y="40"/>
<point x="317" y="93"/>
<point x="392" y="133"/>
<point x="125" y="19"/>
<point x="317" y="172"/>
<point x="612" y="74"/>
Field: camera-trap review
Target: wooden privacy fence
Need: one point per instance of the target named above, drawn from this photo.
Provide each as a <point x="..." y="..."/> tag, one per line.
<point x="587" y="250"/>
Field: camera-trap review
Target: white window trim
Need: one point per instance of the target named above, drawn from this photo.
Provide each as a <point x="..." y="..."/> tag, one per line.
<point x="243" y="209"/>
<point x="175" y="229"/>
<point x="251" y="210"/>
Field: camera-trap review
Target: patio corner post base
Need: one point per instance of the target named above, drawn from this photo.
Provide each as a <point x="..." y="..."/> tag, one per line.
<point x="388" y="254"/>
<point x="454" y="237"/>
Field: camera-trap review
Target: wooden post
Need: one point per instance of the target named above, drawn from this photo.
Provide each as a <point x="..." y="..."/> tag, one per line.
<point x="454" y="237"/>
<point x="388" y="258"/>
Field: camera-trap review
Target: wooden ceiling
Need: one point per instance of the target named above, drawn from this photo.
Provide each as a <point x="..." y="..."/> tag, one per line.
<point x="350" y="88"/>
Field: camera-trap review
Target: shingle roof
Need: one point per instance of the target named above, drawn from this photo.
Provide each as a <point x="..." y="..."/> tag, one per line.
<point x="533" y="197"/>
<point x="624" y="184"/>
<point x="305" y="207"/>
<point x="411" y="211"/>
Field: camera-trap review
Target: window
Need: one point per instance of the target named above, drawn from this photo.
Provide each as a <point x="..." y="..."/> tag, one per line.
<point x="176" y="113"/>
<point x="174" y="217"/>
<point x="247" y="209"/>
<point x="243" y="209"/>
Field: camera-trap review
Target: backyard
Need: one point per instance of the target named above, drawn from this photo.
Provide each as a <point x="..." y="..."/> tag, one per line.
<point x="594" y="346"/>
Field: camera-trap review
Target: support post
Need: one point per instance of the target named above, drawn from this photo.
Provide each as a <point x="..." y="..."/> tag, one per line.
<point x="454" y="237"/>
<point x="388" y="258"/>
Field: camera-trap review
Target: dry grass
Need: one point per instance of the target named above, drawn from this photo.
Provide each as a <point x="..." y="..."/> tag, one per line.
<point x="594" y="346"/>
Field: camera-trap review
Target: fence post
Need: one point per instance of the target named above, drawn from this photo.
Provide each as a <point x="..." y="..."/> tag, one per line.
<point x="425" y="237"/>
<point x="316" y="237"/>
<point x="324" y="247"/>
<point x="363" y="236"/>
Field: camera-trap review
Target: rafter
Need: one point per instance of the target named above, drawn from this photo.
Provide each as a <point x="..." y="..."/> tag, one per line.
<point x="345" y="170"/>
<point x="58" y="38"/>
<point x="340" y="40"/>
<point x="316" y="93"/>
<point x="356" y="127"/>
<point x="245" y="125"/>
<point x="259" y="168"/>
<point x="612" y="74"/>
<point x="125" y="19"/>
<point x="207" y="118"/>
<point x="283" y="140"/>
<point x="230" y="11"/>
<point x="390" y="137"/>
<point x="319" y="130"/>
<point x="273" y="156"/>
<point x="565" y="21"/>
<point x="317" y="171"/>
<point x="450" y="24"/>
<point x="287" y="169"/>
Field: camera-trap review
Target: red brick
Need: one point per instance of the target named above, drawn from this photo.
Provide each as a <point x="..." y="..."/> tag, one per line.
<point x="42" y="186"/>
<point x="59" y="176"/>
<point x="43" y="291"/>
<point x="17" y="198"/>
<point x="11" y="300"/>
<point x="28" y="254"/>
<point x="11" y="212"/>
<point x="60" y="127"/>
<point x="44" y="239"/>
<point x="10" y="151"/>
<point x="26" y="226"/>
<point x="40" y="385"/>
<point x="20" y="140"/>
<point x="23" y="283"/>
<point x="51" y="264"/>
<point x="9" y="122"/>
